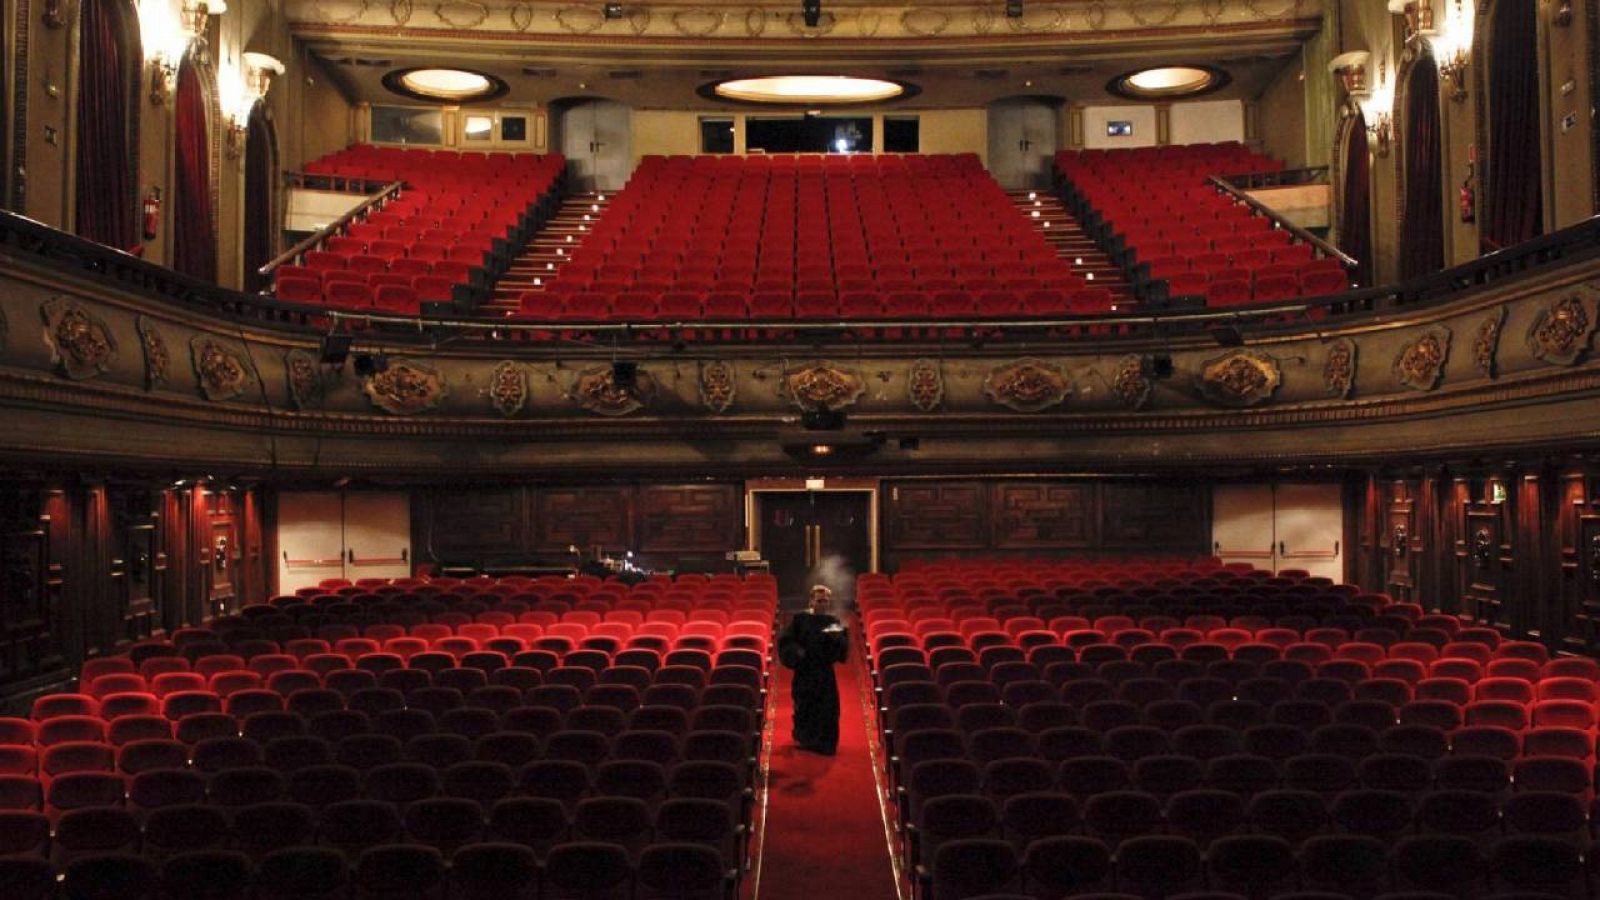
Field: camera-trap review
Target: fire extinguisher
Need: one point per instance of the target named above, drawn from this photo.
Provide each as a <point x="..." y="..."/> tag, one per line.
<point x="1468" y="197"/>
<point x="152" y="214"/>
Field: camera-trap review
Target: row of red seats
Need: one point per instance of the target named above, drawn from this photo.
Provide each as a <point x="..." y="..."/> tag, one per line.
<point x="452" y="212"/>
<point x="1165" y="217"/>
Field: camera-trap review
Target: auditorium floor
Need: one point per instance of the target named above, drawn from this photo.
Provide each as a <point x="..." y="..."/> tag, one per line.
<point x="824" y="832"/>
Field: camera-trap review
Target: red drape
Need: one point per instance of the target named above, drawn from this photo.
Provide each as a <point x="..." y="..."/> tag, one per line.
<point x="105" y="202"/>
<point x="260" y="164"/>
<point x="1355" y="223"/>
<point x="1422" y="232"/>
<point x="1512" y="210"/>
<point x="194" y="236"/>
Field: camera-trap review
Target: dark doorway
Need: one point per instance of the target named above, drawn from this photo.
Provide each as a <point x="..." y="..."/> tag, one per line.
<point x="816" y="537"/>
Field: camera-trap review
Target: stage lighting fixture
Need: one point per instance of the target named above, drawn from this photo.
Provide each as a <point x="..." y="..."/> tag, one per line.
<point x="1156" y="365"/>
<point x="335" y="349"/>
<point x="625" y="374"/>
<point x="822" y="420"/>
<point x="1013" y="9"/>
<point x="811" y="12"/>
<point x="1226" y="335"/>
<point x="613" y="10"/>
<point x="369" y="364"/>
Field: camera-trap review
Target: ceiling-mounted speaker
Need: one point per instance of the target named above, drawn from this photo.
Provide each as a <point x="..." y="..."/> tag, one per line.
<point x="1013" y="9"/>
<point x="613" y="10"/>
<point x="811" y="12"/>
<point x="334" y="349"/>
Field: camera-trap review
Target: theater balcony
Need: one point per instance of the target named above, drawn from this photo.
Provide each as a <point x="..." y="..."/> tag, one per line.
<point x="108" y="359"/>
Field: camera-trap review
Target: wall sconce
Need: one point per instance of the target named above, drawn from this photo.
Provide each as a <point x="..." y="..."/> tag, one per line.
<point x="194" y="17"/>
<point x="165" y="43"/>
<point x="163" y="72"/>
<point x="1377" y="108"/>
<point x="1350" y="70"/>
<point x="259" y="69"/>
<point x="1451" y="43"/>
<point x="1418" y="15"/>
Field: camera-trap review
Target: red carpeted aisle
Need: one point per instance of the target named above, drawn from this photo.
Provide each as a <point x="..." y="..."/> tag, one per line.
<point x="824" y="831"/>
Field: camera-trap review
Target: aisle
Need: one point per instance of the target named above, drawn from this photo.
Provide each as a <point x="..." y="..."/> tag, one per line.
<point x="824" y="832"/>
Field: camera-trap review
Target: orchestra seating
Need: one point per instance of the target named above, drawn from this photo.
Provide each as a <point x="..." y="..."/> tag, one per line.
<point x="812" y="237"/>
<point x="1060" y="729"/>
<point x="1199" y="240"/>
<point x="417" y="247"/>
<point x="503" y="737"/>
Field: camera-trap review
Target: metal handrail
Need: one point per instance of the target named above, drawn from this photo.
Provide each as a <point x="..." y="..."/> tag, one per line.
<point x="390" y="191"/>
<point x="1349" y="262"/>
<point x="1280" y="178"/>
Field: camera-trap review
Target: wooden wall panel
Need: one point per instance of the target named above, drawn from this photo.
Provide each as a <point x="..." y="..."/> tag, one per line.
<point x="30" y="583"/>
<point x="472" y="523"/>
<point x="937" y="515"/>
<point x="1143" y="517"/>
<point x="1043" y="516"/>
<point x="585" y="517"/>
<point x="689" y="518"/>
<point x="1032" y="515"/>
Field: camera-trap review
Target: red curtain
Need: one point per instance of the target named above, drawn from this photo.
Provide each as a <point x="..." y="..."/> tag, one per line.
<point x="260" y="225"/>
<point x="1422" y="231"/>
<point x="194" y="236"/>
<point x="105" y="202"/>
<point x="1512" y="210"/>
<point x="1355" y="225"/>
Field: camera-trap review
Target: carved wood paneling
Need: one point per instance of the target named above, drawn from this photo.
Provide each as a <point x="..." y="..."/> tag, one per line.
<point x="475" y="523"/>
<point x="30" y="584"/>
<point x="937" y="515"/>
<point x="1401" y="541"/>
<point x="1155" y="518"/>
<point x="584" y="517"/>
<point x="689" y="518"/>
<point x="1033" y="515"/>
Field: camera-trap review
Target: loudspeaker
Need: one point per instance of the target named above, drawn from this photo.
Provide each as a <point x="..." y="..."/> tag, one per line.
<point x="335" y="349"/>
<point x="1013" y="9"/>
<point x="811" y="12"/>
<point x="369" y="364"/>
<point x="625" y="374"/>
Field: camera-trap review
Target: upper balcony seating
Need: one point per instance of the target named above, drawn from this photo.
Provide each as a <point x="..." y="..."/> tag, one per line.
<point x="1196" y="238"/>
<point x="417" y="247"/>
<point x="812" y="237"/>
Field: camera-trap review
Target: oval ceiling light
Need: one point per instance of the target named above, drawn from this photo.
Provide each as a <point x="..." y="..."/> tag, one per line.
<point x="809" y="90"/>
<point x="449" y="85"/>
<point x="1169" y="81"/>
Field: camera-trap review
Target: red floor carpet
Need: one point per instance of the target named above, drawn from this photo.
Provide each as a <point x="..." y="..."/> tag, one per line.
<point x="824" y="835"/>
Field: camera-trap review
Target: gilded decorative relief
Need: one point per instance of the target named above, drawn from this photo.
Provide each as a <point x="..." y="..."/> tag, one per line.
<point x="406" y="387"/>
<point x="1240" y="378"/>
<point x="1420" y="364"/>
<point x="823" y="387"/>
<point x="925" y="384"/>
<point x="462" y="14"/>
<point x="221" y="368"/>
<point x="81" y="346"/>
<point x="1486" y="342"/>
<point x="1339" y="369"/>
<point x="508" y="388"/>
<point x="597" y="391"/>
<point x="157" y="358"/>
<point x="1560" y="333"/>
<point x="304" y="375"/>
<point x="717" y="385"/>
<point x="1130" y="383"/>
<point x="1027" y="385"/>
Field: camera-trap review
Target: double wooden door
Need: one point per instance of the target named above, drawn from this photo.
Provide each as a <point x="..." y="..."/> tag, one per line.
<point x="815" y="537"/>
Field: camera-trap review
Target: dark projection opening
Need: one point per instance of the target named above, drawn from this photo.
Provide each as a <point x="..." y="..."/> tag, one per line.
<point x="716" y="135"/>
<point x="901" y="134"/>
<point x="809" y="134"/>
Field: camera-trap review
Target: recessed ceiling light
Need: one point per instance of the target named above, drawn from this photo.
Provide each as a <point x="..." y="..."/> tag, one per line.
<point x="819" y="90"/>
<point x="1169" y="81"/>
<point x="450" y="85"/>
